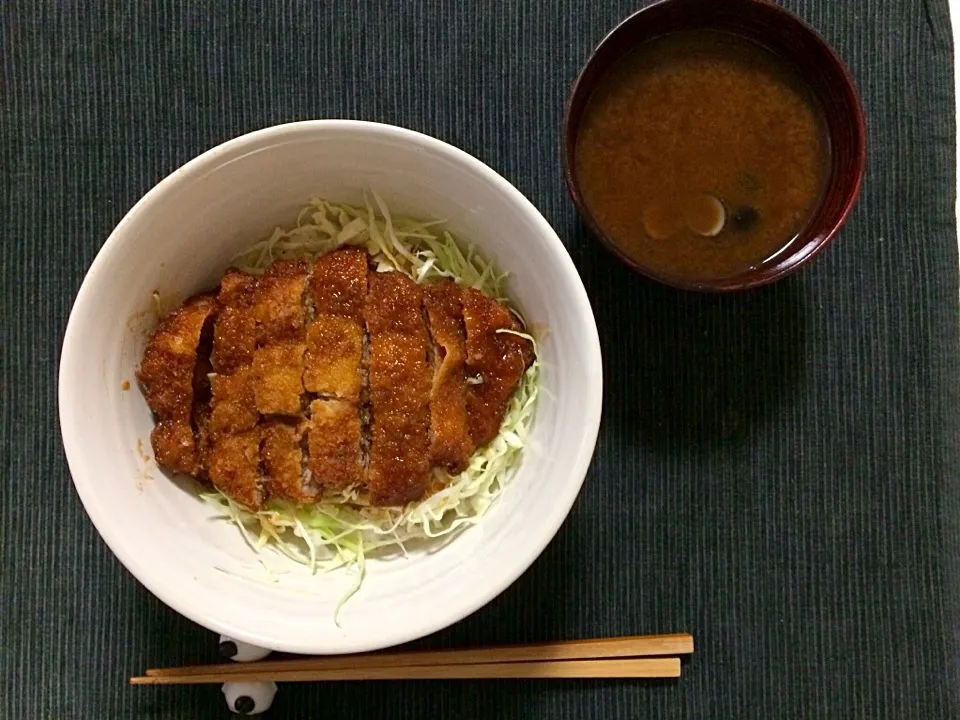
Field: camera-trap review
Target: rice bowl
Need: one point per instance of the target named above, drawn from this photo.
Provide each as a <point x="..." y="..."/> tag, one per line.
<point x="176" y="241"/>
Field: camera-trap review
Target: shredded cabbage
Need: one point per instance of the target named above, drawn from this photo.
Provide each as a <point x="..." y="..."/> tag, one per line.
<point x="342" y="530"/>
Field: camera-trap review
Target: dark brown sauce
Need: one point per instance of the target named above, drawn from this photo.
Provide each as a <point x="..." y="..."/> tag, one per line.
<point x="685" y="121"/>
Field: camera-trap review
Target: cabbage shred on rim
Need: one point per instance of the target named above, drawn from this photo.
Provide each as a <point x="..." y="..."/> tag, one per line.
<point x="342" y="529"/>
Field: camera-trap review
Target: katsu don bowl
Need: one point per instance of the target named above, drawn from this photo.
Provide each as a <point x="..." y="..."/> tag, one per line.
<point x="261" y="482"/>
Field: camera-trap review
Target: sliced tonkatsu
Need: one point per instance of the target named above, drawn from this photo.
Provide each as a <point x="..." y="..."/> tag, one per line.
<point x="278" y="303"/>
<point x="283" y="460"/>
<point x="235" y="333"/>
<point x="496" y="360"/>
<point x="319" y="377"/>
<point x="450" y="442"/>
<point x="338" y="290"/>
<point x="231" y="445"/>
<point x="400" y="378"/>
<point x="334" y="370"/>
<point x="167" y="375"/>
<point x="335" y="443"/>
<point x="233" y="465"/>
<point x="281" y="328"/>
<point x="278" y="379"/>
<point x="170" y="356"/>
<point x="233" y="408"/>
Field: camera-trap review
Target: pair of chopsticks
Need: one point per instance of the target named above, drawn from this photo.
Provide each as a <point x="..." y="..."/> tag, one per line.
<point x="649" y="656"/>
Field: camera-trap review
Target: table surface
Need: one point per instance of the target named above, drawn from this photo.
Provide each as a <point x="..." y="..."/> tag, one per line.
<point x="954" y="6"/>
<point x="777" y="471"/>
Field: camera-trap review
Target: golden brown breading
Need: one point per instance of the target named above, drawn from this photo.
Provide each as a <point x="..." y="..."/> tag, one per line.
<point x="235" y="334"/>
<point x="278" y="379"/>
<point x="279" y="302"/>
<point x="333" y="357"/>
<point x="233" y="463"/>
<point x="338" y="285"/>
<point x="498" y="359"/>
<point x="169" y="359"/>
<point x="399" y="390"/>
<point x="450" y="443"/>
<point x="232" y="406"/>
<point x="175" y="447"/>
<point x="200" y="414"/>
<point x="333" y="439"/>
<point x="167" y="375"/>
<point x="282" y="457"/>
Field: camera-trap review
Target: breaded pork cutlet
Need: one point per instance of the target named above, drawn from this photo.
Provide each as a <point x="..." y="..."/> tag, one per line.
<point x="231" y="446"/>
<point x="338" y="289"/>
<point x="450" y="443"/>
<point x="334" y="368"/>
<point x="324" y="377"/>
<point x="281" y="453"/>
<point x="233" y="464"/>
<point x="497" y="359"/>
<point x="167" y="375"/>
<point x="281" y="327"/>
<point x="278" y="379"/>
<point x="400" y="381"/>
<point x="278" y="373"/>
<point x="232" y="406"/>
<point x="335" y="444"/>
<point x="235" y="334"/>
<point x="278" y="303"/>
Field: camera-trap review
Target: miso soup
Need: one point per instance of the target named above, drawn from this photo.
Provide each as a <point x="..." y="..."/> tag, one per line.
<point x="701" y="154"/>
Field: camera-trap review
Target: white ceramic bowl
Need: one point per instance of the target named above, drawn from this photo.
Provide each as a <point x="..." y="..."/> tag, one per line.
<point x="178" y="239"/>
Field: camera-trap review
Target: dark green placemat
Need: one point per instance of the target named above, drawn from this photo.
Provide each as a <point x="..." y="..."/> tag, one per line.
<point x="776" y="472"/>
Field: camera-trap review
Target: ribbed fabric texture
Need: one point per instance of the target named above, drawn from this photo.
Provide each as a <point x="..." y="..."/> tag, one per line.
<point x="777" y="471"/>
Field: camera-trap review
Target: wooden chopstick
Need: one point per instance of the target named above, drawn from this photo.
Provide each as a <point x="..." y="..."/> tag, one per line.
<point x="621" y="647"/>
<point x="624" y="657"/>
<point x="659" y="667"/>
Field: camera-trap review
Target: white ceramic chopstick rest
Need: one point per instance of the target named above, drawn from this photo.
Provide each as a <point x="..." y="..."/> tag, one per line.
<point x="249" y="698"/>
<point x="246" y="698"/>
<point x="231" y="649"/>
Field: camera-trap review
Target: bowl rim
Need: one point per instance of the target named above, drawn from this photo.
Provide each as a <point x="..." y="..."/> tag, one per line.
<point x="793" y="262"/>
<point x="513" y="566"/>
